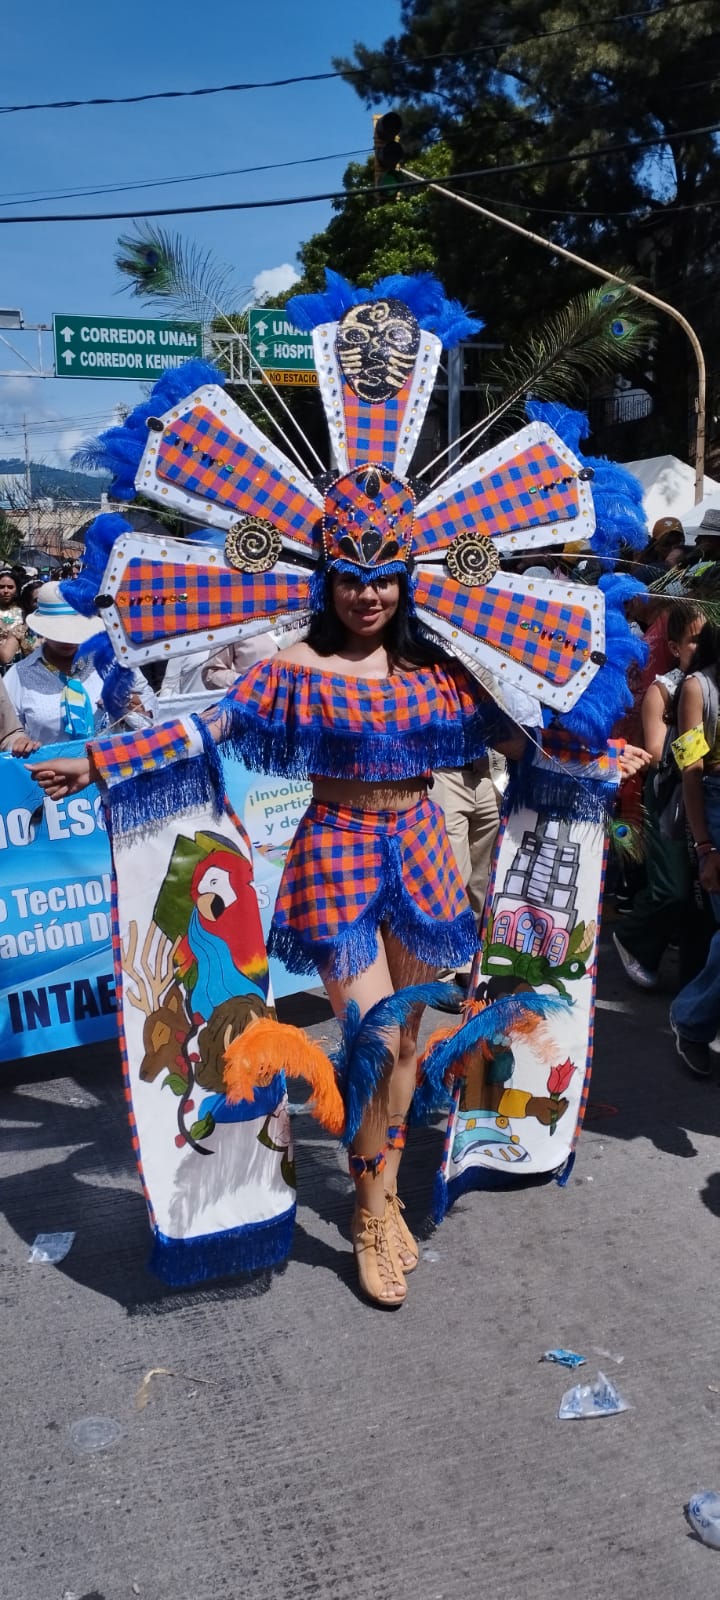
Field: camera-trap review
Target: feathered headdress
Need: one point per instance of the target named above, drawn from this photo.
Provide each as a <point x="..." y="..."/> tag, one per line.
<point x="192" y="450"/>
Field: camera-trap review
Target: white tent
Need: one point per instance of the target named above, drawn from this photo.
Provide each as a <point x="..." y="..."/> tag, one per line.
<point x="693" y="520"/>
<point x="669" y="489"/>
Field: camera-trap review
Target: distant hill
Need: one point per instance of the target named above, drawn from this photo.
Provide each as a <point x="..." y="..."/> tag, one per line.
<point x="58" y="483"/>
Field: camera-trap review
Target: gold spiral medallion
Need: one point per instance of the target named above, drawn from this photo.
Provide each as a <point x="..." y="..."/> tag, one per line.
<point x="252" y="545"/>
<point x="473" y="559"/>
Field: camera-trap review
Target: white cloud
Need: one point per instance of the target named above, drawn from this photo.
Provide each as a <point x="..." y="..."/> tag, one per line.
<point x="274" y="280"/>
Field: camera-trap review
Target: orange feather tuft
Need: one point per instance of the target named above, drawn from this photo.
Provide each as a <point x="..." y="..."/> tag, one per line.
<point x="267" y="1047"/>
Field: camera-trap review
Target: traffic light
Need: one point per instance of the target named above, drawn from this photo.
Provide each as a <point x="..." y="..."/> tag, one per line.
<point x="388" y="149"/>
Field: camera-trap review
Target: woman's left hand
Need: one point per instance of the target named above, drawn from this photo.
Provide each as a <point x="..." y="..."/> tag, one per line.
<point x="632" y="759"/>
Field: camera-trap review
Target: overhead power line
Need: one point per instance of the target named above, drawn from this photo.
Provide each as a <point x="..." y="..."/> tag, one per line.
<point x="81" y="192"/>
<point x="344" y="194"/>
<point x="492" y="48"/>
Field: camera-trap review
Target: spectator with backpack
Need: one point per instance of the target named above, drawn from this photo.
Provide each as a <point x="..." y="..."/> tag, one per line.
<point x="664" y="908"/>
<point x="695" y="1012"/>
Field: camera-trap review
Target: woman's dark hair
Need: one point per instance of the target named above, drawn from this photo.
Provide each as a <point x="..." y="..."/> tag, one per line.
<point x="28" y="593"/>
<point x="406" y="645"/>
<point x="680" y="618"/>
<point x="707" y="653"/>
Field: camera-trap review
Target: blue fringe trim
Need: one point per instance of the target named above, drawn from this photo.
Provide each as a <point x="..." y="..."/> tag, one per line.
<point x="292" y="752"/>
<point x="183" y="1262"/>
<point x="557" y="794"/>
<point x="153" y="797"/>
<point x="617" y="494"/>
<point x="439" y="1197"/>
<point x="608" y="697"/>
<point x="421" y="292"/>
<point x="564" y="1174"/>
<point x="362" y="1057"/>
<point x="212" y="757"/>
<point x="438" y="944"/>
<point x="496" y="1022"/>
<point x="81" y="591"/>
<point x="318" y="590"/>
<point x="387" y="569"/>
<point x="484" y="1178"/>
<point x="120" y="450"/>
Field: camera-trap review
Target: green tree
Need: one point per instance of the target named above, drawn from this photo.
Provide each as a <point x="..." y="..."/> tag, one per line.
<point x="518" y="84"/>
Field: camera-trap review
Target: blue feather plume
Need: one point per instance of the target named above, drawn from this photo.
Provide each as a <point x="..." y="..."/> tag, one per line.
<point x="494" y="1023"/>
<point x="362" y="1058"/>
<point x="608" y="697"/>
<point x="80" y="592"/>
<point x="422" y="293"/>
<point x="120" y="450"/>
<point x="617" y="495"/>
<point x="116" y="691"/>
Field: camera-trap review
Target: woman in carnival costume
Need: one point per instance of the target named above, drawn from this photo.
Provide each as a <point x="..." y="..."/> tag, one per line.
<point x="403" y="646"/>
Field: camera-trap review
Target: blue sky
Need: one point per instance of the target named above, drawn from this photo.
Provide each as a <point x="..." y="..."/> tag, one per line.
<point x="52" y="52"/>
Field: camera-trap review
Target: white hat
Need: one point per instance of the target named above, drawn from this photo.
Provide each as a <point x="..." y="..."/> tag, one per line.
<point x="55" y="619"/>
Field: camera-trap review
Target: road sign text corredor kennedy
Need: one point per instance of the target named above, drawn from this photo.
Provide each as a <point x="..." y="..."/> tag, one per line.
<point x="284" y="354"/>
<point x="122" y="347"/>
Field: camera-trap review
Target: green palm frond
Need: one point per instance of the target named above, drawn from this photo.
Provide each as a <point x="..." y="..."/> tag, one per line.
<point x="594" y="336"/>
<point x="161" y="266"/>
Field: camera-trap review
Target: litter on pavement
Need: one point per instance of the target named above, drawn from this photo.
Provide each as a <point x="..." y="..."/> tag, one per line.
<point x="598" y="1399"/>
<point x="49" y="1248"/>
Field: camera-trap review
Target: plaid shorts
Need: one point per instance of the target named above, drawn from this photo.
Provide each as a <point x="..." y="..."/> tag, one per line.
<point x="349" y="871"/>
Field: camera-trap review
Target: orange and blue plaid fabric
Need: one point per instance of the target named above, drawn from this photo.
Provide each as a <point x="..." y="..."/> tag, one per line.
<point x="349" y="871"/>
<point x="550" y="639"/>
<point x="124" y="755"/>
<point x="372" y="431"/>
<point x="200" y="455"/>
<point x="532" y="489"/>
<point x="558" y="745"/>
<point x="290" y="719"/>
<point x="161" y="599"/>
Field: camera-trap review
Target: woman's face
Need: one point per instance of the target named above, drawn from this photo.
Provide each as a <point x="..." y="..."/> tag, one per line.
<point x="684" y="650"/>
<point x="365" y="609"/>
<point x="8" y="589"/>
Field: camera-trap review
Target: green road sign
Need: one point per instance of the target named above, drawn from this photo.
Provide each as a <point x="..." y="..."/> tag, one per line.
<point x="284" y="354"/>
<point x="122" y="347"/>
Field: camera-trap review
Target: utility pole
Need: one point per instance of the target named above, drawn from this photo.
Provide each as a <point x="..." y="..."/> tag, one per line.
<point x="28" y="480"/>
<point x="455" y="379"/>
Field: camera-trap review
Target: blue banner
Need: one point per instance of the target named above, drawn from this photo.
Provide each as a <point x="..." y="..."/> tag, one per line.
<point x="57" y="987"/>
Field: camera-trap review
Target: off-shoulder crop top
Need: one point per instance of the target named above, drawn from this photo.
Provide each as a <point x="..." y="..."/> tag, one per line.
<point x="286" y="718"/>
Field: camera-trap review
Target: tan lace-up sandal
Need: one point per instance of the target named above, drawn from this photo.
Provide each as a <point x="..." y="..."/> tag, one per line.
<point x="402" y="1240"/>
<point x="380" y="1271"/>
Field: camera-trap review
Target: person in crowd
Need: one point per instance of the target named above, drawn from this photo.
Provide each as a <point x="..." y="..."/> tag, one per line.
<point x="197" y="674"/>
<point x="695" y="1011"/>
<point x="469" y="797"/>
<point x="666" y="547"/>
<point x="13" y="739"/>
<point x="12" y="624"/>
<point x="664" y="908"/>
<point x="55" y="696"/>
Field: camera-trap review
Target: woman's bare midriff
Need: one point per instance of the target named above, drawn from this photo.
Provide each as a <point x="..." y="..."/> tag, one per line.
<point x="370" y="796"/>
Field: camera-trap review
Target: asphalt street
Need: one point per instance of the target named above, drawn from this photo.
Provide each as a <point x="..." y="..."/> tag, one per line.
<point x="292" y="1442"/>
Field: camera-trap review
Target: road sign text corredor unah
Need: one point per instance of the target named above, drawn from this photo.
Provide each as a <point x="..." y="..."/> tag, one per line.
<point x="122" y="347"/>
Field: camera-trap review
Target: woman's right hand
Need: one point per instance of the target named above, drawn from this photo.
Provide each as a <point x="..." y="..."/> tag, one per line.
<point x="62" y="777"/>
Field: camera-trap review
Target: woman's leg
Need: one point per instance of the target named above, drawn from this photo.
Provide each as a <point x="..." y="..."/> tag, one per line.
<point x="380" y="1269"/>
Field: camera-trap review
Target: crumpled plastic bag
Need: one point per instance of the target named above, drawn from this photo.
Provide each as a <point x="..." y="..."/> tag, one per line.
<point x="598" y="1399"/>
<point x="49" y="1248"/>
<point x="703" y="1514"/>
